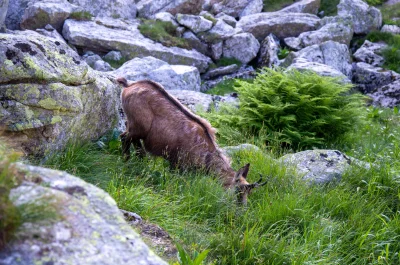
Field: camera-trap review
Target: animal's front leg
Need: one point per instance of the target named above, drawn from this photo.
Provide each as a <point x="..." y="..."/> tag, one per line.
<point x="126" y="141"/>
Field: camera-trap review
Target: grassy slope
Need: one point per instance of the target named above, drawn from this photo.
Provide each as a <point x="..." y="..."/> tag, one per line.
<point x="286" y="222"/>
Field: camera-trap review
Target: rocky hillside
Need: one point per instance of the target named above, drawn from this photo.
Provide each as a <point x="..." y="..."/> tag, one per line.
<point x="59" y="58"/>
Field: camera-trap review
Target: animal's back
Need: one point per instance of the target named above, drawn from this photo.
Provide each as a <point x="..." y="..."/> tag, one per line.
<point x="166" y="127"/>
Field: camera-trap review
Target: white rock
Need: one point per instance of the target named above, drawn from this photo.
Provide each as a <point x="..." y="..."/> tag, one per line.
<point x="369" y="53"/>
<point x="147" y="8"/>
<point x="391" y="29"/>
<point x="367" y="77"/>
<point x="178" y="77"/>
<point x="121" y="9"/>
<point x="303" y="6"/>
<point x="194" y="23"/>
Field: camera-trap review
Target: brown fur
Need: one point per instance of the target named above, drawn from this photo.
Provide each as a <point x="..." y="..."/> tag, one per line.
<point x="170" y="130"/>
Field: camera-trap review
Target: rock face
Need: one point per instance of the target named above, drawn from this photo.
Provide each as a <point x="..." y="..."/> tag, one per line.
<point x="302" y="64"/>
<point x="178" y="77"/>
<point x="3" y="14"/>
<point x="368" y="77"/>
<point x="147" y="8"/>
<point x="303" y="6"/>
<point x="318" y="166"/>
<point x="387" y="96"/>
<point x="330" y="53"/>
<point x="39" y="14"/>
<point x="338" y="29"/>
<point x="268" y="54"/>
<point x="369" y="53"/>
<point x="49" y="96"/>
<point x="237" y="8"/>
<point x="243" y="47"/>
<point x="123" y="9"/>
<point x="88" y="228"/>
<point x="282" y="25"/>
<point x="365" y="18"/>
<point x="104" y="36"/>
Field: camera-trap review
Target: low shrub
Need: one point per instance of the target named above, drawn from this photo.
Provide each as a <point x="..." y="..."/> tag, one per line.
<point x="297" y="109"/>
<point x="392" y="53"/>
<point x="81" y="15"/>
<point x="389" y="12"/>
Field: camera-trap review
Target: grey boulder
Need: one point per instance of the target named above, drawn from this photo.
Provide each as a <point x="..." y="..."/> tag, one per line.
<point x="121" y="9"/>
<point x="282" y="25"/>
<point x="330" y="53"/>
<point x="237" y="8"/>
<point x="367" y="77"/>
<point x="147" y="8"/>
<point x="243" y="47"/>
<point x="387" y="96"/>
<point x="365" y="18"/>
<point x="3" y="14"/>
<point x="370" y="53"/>
<point x="85" y="225"/>
<point x="194" y="23"/>
<point x="268" y="54"/>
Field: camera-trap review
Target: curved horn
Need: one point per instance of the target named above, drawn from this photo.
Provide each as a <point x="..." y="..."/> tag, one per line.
<point x="258" y="183"/>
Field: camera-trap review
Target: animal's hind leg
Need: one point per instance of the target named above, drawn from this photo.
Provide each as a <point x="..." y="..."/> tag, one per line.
<point x="138" y="148"/>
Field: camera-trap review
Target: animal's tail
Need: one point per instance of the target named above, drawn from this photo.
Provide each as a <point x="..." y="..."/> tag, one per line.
<point x="122" y="81"/>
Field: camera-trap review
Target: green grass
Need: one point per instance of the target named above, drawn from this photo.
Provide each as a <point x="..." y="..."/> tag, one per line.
<point x="390" y="12"/>
<point x="286" y="221"/>
<point x="81" y="15"/>
<point x="329" y="7"/>
<point x="225" y="61"/>
<point x="163" y="32"/>
<point x="390" y="54"/>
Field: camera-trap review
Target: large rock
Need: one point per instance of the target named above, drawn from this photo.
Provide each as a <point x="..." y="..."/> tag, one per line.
<point x="318" y="166"/>
<point x="387" y="96"/>
<point x="243" y="47"/>
<point x="105" y="36"/>
<point x="85" y="227"/>
<point x="221" y="71"/>
<point x="268" y="54"/>
<point x="302" y="64"/>
<point x="330" y="53"/>
<point x="123" y="9"/>
<point x="282" y="25"/>
<point x="3" y="14"/>
<point x="195" y="43"/>
<point x="147" y="8"/>
<point x="369" y="53"/>
<point x="194" y="23"/>
<point x="237" y="8"/>
<point x="39" y="14"/>
<point x="365" y="18"/>
<point x="180" y="77"/>
<point x="367" y="77"/>
<point x="338" y="29"/>
<point x="49" y="96"/>
<point x="303" y="6"/>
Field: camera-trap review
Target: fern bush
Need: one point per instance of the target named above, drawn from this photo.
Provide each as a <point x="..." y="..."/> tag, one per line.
<point x="292" y="108"/>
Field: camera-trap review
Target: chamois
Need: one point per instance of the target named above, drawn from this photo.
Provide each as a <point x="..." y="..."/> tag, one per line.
<point x="170" y="130"/>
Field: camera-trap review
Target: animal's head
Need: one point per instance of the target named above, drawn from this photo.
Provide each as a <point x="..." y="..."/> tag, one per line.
<point x="242" y="187"/>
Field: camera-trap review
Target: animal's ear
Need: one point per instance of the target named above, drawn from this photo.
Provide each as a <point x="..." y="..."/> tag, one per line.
<point x="244" y="171"/>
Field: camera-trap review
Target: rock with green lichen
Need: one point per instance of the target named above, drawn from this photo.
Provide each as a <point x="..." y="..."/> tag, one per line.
<point x="237" y="8"/>
<point x="123" y="9"/>
<point x="86" y="226"/>
<point x="49" y="96"/>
